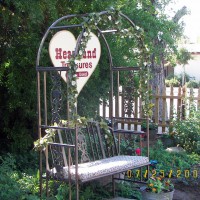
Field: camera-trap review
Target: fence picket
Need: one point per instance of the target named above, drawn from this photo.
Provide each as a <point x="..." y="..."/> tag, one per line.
<point x="164" y="104"/>
<point x="198" y="100"/>
<point x="157" y="105"/>
<point x="176" y="101"/>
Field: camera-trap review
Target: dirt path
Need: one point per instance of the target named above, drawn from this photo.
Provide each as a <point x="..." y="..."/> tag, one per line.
<point x="184" y="192"/>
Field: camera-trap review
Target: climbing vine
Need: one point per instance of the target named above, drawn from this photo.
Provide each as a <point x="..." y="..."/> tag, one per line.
<point x="113" y="19"/>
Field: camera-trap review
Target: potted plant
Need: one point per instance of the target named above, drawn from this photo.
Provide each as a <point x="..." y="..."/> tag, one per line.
<point x="158" y="188"/>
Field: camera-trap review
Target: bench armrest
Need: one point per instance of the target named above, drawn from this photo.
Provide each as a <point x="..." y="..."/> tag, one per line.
<point x="129" y="132"/>
<point x="61" y="145"/>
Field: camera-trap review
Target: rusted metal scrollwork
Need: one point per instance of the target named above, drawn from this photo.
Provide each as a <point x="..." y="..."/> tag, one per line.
<point x="129" y="95"/>
<point x="58" y="162"/>
<point x="82" y="147"/>
<point x="56" y="97"/>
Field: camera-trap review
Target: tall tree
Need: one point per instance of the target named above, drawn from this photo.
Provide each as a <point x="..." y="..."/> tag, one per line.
<point x="183" y="57"/>
<point x="162" y="33"/>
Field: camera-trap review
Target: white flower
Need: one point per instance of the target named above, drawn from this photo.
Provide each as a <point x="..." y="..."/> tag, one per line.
<point x="139" y="6"/>
<point x="47" y="131"/>
<point x="135" y="50"/>
<point x="73" y="83"/>
<point x="80" y="52"/>
<point x="109" y="17"/>
<point x="106" y="136"/>
<point x="41" y="141"/>
<point x="85" y="34"/>
<point x="79" y="120"/>
<point x="160" y="35"/>
<point x="137" y="27"/>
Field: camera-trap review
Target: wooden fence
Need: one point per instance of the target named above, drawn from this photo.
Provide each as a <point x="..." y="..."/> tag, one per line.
<point x="171" y="103"/>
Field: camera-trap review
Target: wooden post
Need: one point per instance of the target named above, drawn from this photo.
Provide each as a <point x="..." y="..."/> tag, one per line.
<point x="104" y="109"/>
<point x="171" y="106"/>
<point x="164" y="110"/>
<point x="117" y="97"/>
<point x="179" y="103"/>
<point x="136" y="111"/>
<point x="122" y="106"/>
<point x="191" y="100"/>
<point x="183" y="103"/>
<point x="157" y="106"/>
<point x="198" y="101"/>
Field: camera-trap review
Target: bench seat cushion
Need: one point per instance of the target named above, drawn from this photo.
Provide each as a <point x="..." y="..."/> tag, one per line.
<point x="108" y="166"/>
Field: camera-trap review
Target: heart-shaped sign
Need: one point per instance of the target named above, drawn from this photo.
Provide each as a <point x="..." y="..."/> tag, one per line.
<point x="61" y="48"/>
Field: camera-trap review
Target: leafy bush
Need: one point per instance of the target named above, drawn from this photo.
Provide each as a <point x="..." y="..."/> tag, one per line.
<point x="193" y="84"/>
<point x="13" y="184"/>
<point x="128" y="190"/>
<point x="177" y="167"/>
<point x="9" y="188"/>
<point x="176" y="80"/>
<point x="170" y="162"/>
<point x="87" y="191"/>
<point x="187" y="132"/>
<point x="172" y="82"/>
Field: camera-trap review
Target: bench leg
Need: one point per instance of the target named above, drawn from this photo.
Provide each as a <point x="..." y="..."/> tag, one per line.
<point x="113" y="185"/>
<point x="70" y="190"/>
<point x="47" y="185"/>
<point x="77" y="190"/>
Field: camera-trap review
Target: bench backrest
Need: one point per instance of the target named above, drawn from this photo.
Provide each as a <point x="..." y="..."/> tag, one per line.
<point x="94" y="143"/>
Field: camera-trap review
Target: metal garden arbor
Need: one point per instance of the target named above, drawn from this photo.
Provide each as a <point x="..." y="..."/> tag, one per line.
<point x="49" y="80"/>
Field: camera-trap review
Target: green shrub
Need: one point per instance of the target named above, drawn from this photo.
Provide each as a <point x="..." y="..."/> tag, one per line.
<point x="128" y="190"/>
<point x="9" y="188"/>
<point x="172" y="161"/>
<point x="87" y="191"/>
<point x="167" y="164"/>
<point x="172" y="82"/>
<point x="187" y="132"/>
<point x="15" y="185"/>
<point x="193" y="84"/>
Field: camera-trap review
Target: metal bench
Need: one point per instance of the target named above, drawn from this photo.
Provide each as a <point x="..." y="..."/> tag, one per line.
<point x="97" y="155"/>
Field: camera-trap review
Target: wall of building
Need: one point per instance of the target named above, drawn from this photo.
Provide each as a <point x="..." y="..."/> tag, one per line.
<point x="192" y="68"/>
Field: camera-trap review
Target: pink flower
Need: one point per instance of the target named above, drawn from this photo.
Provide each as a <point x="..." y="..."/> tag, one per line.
<point x="138" y="151"/>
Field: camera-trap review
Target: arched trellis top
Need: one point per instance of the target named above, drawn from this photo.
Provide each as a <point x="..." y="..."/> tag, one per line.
<point x="112" y="16"/>
<point x="67" y="17"/>
<point x="109" y="16"/>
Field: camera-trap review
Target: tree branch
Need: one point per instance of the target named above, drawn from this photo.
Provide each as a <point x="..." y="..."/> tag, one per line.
<point x="180" y="13"/>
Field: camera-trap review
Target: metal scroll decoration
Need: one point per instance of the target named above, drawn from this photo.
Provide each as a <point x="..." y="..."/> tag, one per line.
<point x="58" y="162"/>
<point x="129" y="95"/>
<point x="82" y="147"/>
<point x="56" y="98"/>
